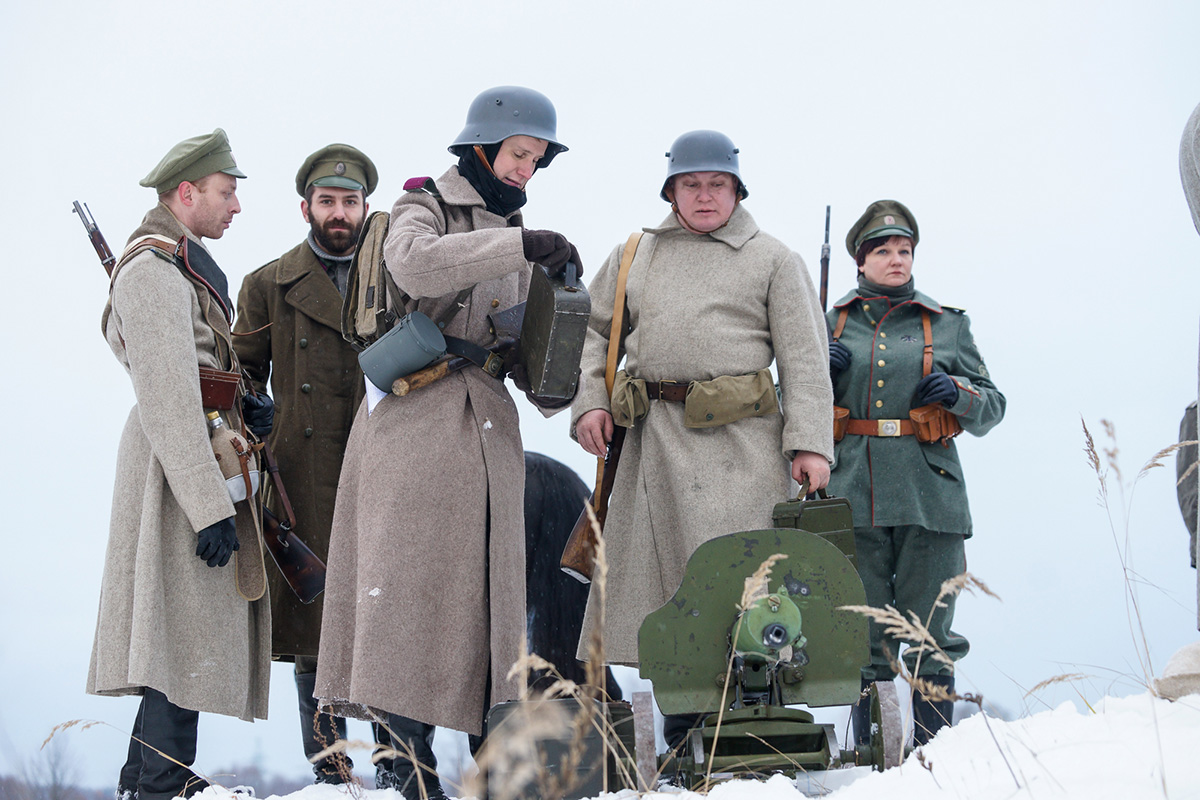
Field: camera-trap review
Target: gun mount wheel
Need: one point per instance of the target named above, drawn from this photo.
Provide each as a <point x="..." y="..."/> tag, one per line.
<point x="887" y="726"/>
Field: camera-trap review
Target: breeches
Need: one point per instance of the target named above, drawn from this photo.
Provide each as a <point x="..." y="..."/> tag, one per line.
<point x="904" y="567"/>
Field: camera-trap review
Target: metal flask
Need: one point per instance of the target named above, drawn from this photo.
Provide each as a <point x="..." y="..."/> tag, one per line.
<point x="412" y="343"/>
<point x="552" y="334"/>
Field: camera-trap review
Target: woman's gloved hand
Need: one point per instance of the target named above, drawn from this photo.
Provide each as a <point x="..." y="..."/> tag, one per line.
<point x="217" y="542"/>
<point x="258" y="412"/>
<point x="936" y="387"/>
<point x="839" y="359"/>
<point x="551" y="250"/>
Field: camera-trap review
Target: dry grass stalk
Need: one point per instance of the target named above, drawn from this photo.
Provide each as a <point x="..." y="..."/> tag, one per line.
<point x="757" y="585"/>
<point x="1069" y="677"/>
<point x="83" y="724"/>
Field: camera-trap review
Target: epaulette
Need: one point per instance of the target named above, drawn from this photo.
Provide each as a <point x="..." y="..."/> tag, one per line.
<point x="422" y="184"/>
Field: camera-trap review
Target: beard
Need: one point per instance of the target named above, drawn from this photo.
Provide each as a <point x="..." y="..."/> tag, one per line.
<point x="336" y="237"/>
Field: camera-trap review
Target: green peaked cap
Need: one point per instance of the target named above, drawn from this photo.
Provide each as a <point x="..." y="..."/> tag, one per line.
<point x="882" y="218"/>
<point x="191" y="160"/>
<point x="338" y="165"/>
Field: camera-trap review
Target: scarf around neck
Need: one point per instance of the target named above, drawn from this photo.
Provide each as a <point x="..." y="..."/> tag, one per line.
<point x="499" y="197"/>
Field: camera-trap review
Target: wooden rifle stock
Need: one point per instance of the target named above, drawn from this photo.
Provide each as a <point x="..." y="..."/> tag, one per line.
<point x="579" y="555"/>
<point x="303" y="569"/>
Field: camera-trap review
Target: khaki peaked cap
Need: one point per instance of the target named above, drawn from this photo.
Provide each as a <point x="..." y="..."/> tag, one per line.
<point x="882" y="218"/>
<point x="191" y="160"/>
<point x="338" y="165"/>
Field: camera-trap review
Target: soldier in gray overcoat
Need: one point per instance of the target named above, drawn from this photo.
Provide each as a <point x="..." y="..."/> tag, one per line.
<point x="178" y="624"/>
<point x="908" y="497"/>
<point x="711" y="302"/>
<point x="425" y="594"/>
<point x="289" y="328"/>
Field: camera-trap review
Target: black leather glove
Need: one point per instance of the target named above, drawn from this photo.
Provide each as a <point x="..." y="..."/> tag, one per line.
<point x="936" y="387"/>
<point x="520" y="379"/>
<point x="545" y="247"/>
<point x="839" y="359"/>
<point x="258" y="412"/>
<point x="217" y="542"/>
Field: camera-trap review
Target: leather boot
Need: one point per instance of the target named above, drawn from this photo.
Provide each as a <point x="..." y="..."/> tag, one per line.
<point x="417" y="737"/>
<point x="319" y="730"/>
<point x="167" y="728"/>
<point x="676" y="728"/>
<point x="860" y="716"/>
<point x="930" y="716"/>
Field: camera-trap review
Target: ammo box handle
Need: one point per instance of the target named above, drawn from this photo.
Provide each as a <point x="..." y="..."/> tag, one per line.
<point x="821" y="493"/>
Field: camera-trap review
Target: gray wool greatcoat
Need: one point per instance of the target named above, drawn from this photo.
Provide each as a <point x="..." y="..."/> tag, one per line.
<point x="316" y="385"/>
<point x="699" y="306"/>
<point x="425" y="595"/>
<point x="167" y="620"/>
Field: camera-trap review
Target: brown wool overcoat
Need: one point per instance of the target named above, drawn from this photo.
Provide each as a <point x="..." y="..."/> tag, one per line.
<point x="699" y="306"/>
<point x="167" y="620"/>
<point x="316" y="385"/>
<point x="425" y="596"/>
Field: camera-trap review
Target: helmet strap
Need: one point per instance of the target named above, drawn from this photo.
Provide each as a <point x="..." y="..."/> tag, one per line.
<point x="483" y="158"/>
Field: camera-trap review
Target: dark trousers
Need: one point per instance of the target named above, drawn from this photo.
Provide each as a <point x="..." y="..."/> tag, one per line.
<point x="165" y="727"/>
<point x="904" y="567"/>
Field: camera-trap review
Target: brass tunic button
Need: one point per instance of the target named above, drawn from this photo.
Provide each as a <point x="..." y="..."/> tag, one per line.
<point x="880" y="362"/>
<point x="941" y="472"/>
<point x="882" y="335"/>
<point x="308" y="432"/>
<point x="306" y="388"/>
<point x="866" y="306"/>
<point x="495" y="303"/>
<point x="879" y="404"/>
<point x="879" y="384"/>
<point x="883" y="347"/>
<point x="303" y="343"/>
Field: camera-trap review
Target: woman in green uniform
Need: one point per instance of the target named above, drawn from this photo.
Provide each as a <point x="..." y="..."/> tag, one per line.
<point x="907" y="377"/>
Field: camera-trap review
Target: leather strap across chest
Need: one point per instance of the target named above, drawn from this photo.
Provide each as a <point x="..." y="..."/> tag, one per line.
<point x="926" y="326"/>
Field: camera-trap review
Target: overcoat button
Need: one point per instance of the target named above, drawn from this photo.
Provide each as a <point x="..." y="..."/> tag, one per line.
<point x="304" y="343"/>
<point x="757" y="406"/>
<point x="880" y="362"/>
<point x="306" y="388"/>
<point x="495" y="304"/>
<point x="879" y="384"/>
<point x="308" y="432"/>
<point x="883" y="347"/>
<point x="879" y="404"/>
<point x="708" y="417"/>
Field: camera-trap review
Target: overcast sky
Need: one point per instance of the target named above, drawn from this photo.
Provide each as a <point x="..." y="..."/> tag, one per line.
<point x="1037" y="144"/>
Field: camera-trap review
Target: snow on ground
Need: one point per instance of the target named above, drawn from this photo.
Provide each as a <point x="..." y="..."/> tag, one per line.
<point x="1126" y="748"/>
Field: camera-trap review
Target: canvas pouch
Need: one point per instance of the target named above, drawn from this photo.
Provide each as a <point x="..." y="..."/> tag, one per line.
<point x="728" y="398"/>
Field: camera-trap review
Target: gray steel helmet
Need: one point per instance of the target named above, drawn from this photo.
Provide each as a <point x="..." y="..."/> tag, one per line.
<point x="703" y="151"/>
<point x="508" y="111"/>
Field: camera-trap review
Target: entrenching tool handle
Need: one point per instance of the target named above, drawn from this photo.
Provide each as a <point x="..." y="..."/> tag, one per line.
<point x="423" y="377"/>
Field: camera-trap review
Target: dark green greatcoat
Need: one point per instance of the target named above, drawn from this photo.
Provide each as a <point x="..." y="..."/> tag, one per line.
<point x="899" y="481"/>
<point x="317" y="386"/>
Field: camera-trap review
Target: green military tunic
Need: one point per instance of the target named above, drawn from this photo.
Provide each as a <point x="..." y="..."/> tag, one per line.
<point x="892" y="481"/>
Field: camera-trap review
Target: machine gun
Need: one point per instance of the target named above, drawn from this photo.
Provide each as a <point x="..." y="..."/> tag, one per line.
<point x="790" y="645"/>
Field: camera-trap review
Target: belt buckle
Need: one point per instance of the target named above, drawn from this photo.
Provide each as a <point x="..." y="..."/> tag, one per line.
<point x="662" y="385"/>
<point x="887" y="427"/>
<point x="494" y="365"/>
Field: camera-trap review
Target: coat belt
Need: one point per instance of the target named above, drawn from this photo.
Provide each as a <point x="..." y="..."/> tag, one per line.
<point x="674" y="391"/>
<point x="880" y="427"/>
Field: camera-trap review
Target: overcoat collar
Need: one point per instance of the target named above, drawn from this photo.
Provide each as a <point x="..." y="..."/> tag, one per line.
<point x="919" y="299"/>
<point x="740" y="228"/>
<point x="311" y="290"/>
<point x="458" y="191"/>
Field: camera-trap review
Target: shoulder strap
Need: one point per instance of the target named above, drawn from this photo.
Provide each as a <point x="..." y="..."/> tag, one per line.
<point x="927" y="357"/>
<point x="614" y="332"/>
<point x="841" y="323"/>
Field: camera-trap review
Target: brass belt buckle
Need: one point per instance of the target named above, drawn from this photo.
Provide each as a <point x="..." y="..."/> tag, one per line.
<point x="494" y="365"/>
<point x="888" y="427"/>
<point x="662" y="385"/>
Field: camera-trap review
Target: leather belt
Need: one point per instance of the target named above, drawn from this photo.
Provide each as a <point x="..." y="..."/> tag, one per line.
<point x="880" y="427"/>
<point x="674" y="391"/>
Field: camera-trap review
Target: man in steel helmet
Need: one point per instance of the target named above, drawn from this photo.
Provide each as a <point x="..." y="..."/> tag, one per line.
<point x="712" y="301"/>
<point x="425" y="596"/>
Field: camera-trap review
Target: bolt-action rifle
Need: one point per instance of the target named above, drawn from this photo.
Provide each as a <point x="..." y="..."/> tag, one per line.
<point x="825" y="266"/>
<point x="301" y="568"/>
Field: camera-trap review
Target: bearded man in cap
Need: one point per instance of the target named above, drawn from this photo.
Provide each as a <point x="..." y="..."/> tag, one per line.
<point x="178" y="623"/>
<point x="289" y="328"/>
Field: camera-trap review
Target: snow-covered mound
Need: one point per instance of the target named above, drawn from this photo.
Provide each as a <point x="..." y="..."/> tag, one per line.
<point x="1125" y="748"/>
